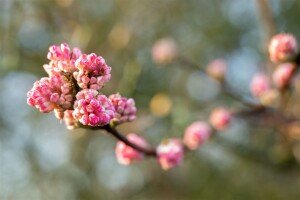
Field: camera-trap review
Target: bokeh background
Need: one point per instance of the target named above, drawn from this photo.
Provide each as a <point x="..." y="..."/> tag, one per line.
<point x="40" y="159"/>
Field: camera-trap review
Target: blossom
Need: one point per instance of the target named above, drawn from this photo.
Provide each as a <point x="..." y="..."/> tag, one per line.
<point x="92" y="108"/>
<point x="283" y="47"/>
<point x="259" y="85"/>
<point x="170" y="153"/>
<point x="49" y="93"/>
<point x="217" y="69"/>
<point x="125" y="108"/>
<point x="283" y="74"/>
<point x="195" y="134"/>
<point x="126" y="154"/>
<point x="93" y="72"/>
<point x="164" y="51"/>
<point x="220" y="118"/>
<point x="62" y="59"/>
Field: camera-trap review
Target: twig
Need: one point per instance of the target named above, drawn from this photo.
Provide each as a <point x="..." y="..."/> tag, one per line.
<point x="114" y="132"/>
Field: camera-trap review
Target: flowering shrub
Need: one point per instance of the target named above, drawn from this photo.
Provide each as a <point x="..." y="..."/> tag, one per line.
<point x="73" y="90"/>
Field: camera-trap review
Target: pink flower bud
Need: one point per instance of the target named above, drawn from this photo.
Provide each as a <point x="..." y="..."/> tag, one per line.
<point x="126" y="154"/>
<point x="195" y="134"/>
<point x="51" y="68"/>
<point x="217" y="69"/>
<point x="91" y="108"/>
<point x="220" y="118"/>
<point x="170" y="153"/>
<point x="92" y="72"/>
<point x="259" y="85"/>
<point x="282" y="74"/>
<point x="283" y="47"/>
<point x="164" y="51"/>
<point x="61" y="59"/>
<point x="50" y="93"/>
<point x="125" y="108"/>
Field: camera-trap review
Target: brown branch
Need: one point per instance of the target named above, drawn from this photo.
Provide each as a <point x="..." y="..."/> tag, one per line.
<point x="114" y="132"/>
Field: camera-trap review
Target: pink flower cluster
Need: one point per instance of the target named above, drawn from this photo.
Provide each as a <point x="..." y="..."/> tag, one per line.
<point x="50" y="93"/>
<point x="126" y="154"/>
<point x="72" y="90"/>
<point x="170" y="153"/>
<point x="220" y="118"/>
<point x="91" y="108"/>
<point x="196" y="134"/>
<point x="92" y="72"/>
<point x="283" y="47"/>
<point x="62" y="59"/>
<point x="125" y="109"/>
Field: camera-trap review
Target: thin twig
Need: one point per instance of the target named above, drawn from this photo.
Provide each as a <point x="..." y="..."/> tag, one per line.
<point x="114" y="132"/>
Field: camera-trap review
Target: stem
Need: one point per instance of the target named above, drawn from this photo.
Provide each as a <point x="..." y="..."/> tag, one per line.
<point x="119" y="136"/>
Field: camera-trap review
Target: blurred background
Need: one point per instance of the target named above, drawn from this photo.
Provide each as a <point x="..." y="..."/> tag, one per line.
<point x="40" y="159"/>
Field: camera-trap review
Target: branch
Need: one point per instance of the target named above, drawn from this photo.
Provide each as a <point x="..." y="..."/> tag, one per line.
<point x="114" y="132"/>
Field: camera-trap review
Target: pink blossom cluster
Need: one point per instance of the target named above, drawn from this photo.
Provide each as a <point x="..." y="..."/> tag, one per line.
<point x="196" y="134"/>
<point x="92" y="72"/>
<point x="92" y="108"/>
<point x="170" y="153"/>
<point x="220" y="118"/>
<point x="283" y="47"/>
<point x="125" y="109"/>
<point x="50" y="93"/>
<point x="72" y="90"/>
<point x="126" y="154"/>
<point x="62" y="59"/>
